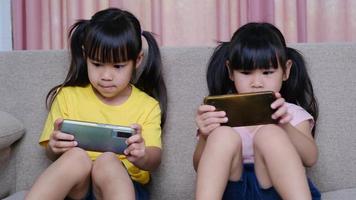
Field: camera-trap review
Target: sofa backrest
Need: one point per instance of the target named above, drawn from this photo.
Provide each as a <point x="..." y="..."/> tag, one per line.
<point x="26" y="77"/>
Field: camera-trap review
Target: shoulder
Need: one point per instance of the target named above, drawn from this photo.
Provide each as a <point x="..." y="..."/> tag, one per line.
<point x="296" y="108"/>
<point x="145" y="103"/>
<point x="299" y="114"/>
<point x="142" y="97"/>
<point x="72" y="92"/>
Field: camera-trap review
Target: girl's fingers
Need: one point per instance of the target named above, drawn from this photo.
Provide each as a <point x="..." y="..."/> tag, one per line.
<point x="281" y="111"/>
<point x="65" y="144"/>
<point x="134" y="147"/>
<point x="207" y="129"/>
<point x="57" y="135"/>
<point x="205" y="108"/>
<point x="130" y="148"/>
<point x="212" y="127"/>
<point x="57" y="123"/>
<point x="277" y="95"/>
<point x="277" y="103"/>
<point x="137" y="153"/>
<point x="286" y="118"/>
<point x="215" y="120"/>
<point x="208" y="117"/>
<point x="137" y="138"/>
<point x="213" y="114"/>
<point x="137" y="127"/>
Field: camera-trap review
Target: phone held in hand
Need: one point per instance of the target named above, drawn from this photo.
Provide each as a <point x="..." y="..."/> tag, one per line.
<point x="98" y="137"/>
<point x="245" y="109"/>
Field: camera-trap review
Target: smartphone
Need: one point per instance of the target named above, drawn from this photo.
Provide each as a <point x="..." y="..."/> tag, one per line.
<point x="98" y="137"/>
<point x="245" y="109"/>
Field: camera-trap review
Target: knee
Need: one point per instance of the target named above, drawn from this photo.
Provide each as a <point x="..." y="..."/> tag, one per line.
<point x="226" y="138"/>
<point x="104" y="163"/>
<point x="270" y="136"/>
<point x="79" y="158"/>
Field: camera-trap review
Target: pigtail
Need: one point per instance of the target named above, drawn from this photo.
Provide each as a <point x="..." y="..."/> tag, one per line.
<point x="78" y="65"/>
<point x="78" y="61"/>
<point x="298" y="88"/>
<point x="217" y="73"/>
<point x="151" y="79"/>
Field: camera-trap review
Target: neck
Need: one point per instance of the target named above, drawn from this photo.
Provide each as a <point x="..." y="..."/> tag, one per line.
<point x="117" y="99"/>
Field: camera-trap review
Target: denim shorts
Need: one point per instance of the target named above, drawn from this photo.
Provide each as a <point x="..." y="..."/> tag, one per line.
<point x="140" y="191"/>
<point x="248" y="188"/>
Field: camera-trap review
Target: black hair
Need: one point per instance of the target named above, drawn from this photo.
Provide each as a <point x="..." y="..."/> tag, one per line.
<point x="261" y="46"/>
<point x="112" y="36"/>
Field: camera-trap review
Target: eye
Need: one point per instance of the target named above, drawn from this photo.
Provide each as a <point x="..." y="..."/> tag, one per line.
<point x="244" y="72"/>
<point x="97" y="64"/>
<point x="118" y="66"/>
<point x="267" y="72"/>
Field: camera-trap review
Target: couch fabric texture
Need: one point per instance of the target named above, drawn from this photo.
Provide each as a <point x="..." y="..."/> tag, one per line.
<point x="27" y="76"/>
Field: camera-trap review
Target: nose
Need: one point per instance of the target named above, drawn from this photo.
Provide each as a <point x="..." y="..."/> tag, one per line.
<point x="256" y="81"/>
<point x="106" y="74"/>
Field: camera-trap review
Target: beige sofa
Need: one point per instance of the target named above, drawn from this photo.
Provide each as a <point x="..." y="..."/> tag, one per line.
<point x="26" y="77"/>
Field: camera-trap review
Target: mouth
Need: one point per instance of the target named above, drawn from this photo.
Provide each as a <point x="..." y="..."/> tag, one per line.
<point x="107" y="87"/>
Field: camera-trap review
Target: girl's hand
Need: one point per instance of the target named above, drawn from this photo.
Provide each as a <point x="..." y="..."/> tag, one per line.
<point x="135" y="145"/>
<point x="281" y="113"/>
<point x="60" y="142"/>
<point x="208" y="119"/>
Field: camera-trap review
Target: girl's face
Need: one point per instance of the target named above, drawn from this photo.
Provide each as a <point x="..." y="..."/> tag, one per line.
<point x="260" y="79"/>
<point x="111" y="81"/>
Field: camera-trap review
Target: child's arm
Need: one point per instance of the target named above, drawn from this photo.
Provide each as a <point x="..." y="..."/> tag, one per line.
<point x="303" y="141"/>
<point x="146" y="158"/>
<point x="59" y="142"/>
<point x="300" y="135"/>
<point x="198" y="151"/>
<point x="207" y="119"/>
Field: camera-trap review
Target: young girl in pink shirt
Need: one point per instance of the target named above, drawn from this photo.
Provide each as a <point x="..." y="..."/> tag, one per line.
<point x="264" y="161"/>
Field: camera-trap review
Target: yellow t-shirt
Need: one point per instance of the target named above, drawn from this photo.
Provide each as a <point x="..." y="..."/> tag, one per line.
<point x="81" y="103"/>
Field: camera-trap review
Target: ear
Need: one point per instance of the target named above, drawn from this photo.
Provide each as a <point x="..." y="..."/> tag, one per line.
<point x="227" y="65"/>
<point x="139" y="59"/>
<point x="288" y="67"/>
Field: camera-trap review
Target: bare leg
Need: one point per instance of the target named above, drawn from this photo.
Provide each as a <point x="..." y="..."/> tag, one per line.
<point x="278" y="164"/>
<point x="220" y="161"/>
<point x="68" y="175"/>
<point x="110" y="179"/>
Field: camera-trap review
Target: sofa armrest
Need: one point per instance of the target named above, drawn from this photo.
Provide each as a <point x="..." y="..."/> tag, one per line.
<point x="11" y="129"/>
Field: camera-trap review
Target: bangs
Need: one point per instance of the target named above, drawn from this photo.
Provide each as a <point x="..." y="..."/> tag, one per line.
<point x="109" y="45"/>
<point x="255" y="57"/>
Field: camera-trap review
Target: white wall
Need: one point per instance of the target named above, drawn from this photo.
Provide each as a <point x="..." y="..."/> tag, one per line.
<point x="5" y="25"/>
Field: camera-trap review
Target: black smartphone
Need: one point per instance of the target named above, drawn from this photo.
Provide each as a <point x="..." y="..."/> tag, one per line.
<point x="98" y="137"/>
<point x="245" y="109"/>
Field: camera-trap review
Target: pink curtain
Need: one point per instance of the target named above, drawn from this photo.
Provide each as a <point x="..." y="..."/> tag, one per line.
<point x="43" y="24"/>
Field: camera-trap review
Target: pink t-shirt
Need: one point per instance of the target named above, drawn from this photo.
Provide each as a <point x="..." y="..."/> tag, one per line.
<point x="248" y="132"/>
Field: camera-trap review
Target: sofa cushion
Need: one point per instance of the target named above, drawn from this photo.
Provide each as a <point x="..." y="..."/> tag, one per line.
<point x="11" y="129"/>
<point x="344" y="194"/>
<point x="17" y="196"/>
